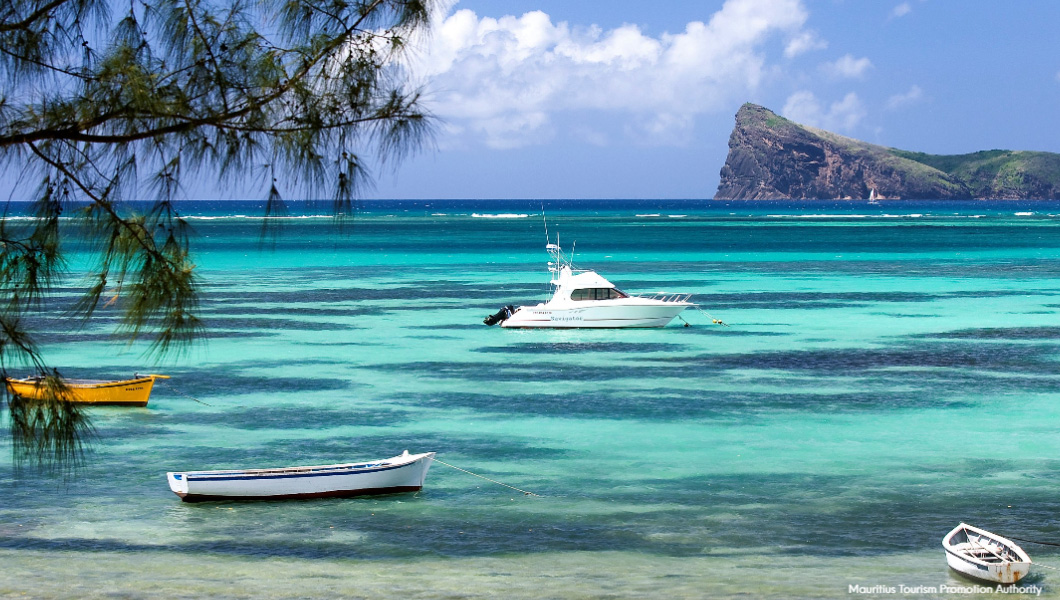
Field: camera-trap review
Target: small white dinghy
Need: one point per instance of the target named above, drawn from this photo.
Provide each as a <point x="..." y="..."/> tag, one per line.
<point x="404" y="473"/>
<point x="987" y="556"/>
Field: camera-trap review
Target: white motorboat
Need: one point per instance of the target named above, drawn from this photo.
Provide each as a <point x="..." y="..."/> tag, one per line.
<point x="404" y="473"/>
<point x="986" y="556"/>
<point x="583" y="298"/>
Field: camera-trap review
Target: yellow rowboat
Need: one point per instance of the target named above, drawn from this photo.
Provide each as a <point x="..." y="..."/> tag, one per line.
<point x="127" y="392"/>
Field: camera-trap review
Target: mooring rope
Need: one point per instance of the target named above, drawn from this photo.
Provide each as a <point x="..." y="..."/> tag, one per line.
<point x="190" y="397"/>
<point x="137" y="375"/>
<point x="486" y="478"/>
<point x="1034" y="542"/>
<point x="1040" y="544"/>
<point x="711" y="317"/>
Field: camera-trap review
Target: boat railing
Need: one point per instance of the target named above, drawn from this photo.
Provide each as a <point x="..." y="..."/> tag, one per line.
<point x="665" y="297"/>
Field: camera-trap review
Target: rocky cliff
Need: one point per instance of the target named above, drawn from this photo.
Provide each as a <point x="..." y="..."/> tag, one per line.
<point x="771" y="157"/>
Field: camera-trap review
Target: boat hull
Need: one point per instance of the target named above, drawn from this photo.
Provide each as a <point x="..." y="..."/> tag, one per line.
<point x="627" y="315"/>
<point x="129" y="392"/>
<point x="405" y="473"/>
<point x="1005" y="573"/>
<point x="980" y="559"/>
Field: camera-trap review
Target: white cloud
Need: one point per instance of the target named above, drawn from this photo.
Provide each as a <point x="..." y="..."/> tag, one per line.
<point x="848" y="67"/>
<point x="901" y="10"/>
<point x="591" y="136"/>
<point x="909" y="97"/>
<point x="804" y="42"/>
<point x="506" y="78"/>
<point x="513" y="131"/>
<point x="844" y="115"/>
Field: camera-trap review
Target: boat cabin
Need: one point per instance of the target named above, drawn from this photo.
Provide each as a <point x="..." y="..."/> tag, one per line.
<point x="585" y="285"/>
<point x="597" y="294"/>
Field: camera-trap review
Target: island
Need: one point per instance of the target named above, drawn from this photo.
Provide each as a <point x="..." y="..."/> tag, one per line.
<point x="773" y="158"/>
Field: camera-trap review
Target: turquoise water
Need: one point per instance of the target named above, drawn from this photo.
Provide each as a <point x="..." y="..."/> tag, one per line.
<point x="887" y="372"/>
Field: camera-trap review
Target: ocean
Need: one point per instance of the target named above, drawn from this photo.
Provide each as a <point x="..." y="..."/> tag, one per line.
<point x="882" y="373"/>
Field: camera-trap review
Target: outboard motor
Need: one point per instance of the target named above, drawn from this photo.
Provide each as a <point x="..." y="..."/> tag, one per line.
<point x="500" y="316"/>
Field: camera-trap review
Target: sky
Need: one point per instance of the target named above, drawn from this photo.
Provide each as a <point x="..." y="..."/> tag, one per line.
<point x="633" y="99"/>
<point x="558" y="99"/>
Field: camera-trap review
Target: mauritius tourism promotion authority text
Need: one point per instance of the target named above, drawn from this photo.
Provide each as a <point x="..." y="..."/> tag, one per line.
<point x="944" y="589"/>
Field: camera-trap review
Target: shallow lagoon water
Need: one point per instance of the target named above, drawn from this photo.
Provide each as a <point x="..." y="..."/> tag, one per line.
<point x="887" y="372"/>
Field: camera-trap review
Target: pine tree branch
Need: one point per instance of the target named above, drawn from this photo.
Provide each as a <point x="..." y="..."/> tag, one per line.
<point x="33" y="17"/>
<point x="78" y="132"/>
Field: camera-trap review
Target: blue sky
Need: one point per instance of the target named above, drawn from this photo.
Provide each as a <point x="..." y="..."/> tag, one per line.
<point x="624" y="99"/>
<point x="544" y="99"/>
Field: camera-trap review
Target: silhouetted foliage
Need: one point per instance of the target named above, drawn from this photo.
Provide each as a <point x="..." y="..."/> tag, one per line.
<point x="96" y="108"/>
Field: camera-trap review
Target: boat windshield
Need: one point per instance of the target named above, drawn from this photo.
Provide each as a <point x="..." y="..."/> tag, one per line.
<point x="597" y="294"/>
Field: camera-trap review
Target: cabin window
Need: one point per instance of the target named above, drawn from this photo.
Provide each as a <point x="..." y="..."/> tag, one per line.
<point x="597" y="294"/>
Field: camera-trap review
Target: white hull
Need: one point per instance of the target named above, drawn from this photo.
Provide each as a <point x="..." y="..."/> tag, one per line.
<point x="982" y="555"/>
<point x="1007" y="573"/>
<point x="630" y="312"/>
<point x="404" y="473"/>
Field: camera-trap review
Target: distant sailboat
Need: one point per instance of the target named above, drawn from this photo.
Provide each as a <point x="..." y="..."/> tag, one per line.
<point x="873" y="198"/>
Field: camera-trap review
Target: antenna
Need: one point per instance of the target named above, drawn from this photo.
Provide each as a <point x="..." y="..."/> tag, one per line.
<point x="547" y="240"/>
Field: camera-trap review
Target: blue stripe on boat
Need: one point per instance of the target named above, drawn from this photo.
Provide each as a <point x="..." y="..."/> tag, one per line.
<point x="312" y="473"/>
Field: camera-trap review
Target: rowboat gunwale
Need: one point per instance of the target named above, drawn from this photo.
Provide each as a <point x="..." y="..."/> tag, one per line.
<point x="291" y="472"/>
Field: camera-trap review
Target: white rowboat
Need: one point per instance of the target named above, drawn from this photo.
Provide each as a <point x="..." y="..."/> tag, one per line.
<point x="404" y="473"/>
<point x="986" y="556"/>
